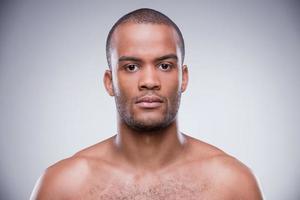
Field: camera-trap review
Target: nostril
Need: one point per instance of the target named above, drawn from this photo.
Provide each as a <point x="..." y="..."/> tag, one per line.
<point x="150" y="86"/>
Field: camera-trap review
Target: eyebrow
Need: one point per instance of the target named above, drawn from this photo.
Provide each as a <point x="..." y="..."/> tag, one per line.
<point x="168" y="56"/>
<point x="135" y="59"/>
<point x="129" y="58"/>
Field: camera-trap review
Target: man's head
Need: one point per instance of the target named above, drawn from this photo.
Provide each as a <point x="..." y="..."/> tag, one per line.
<point x="144" y="16"/>
<point x="145" y="52"/>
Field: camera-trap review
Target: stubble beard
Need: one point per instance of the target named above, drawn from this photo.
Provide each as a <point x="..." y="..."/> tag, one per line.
<point x="125" y="111"/>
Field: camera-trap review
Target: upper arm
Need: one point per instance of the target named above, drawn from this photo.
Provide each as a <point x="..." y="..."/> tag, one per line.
<point x="47" y="187"/>
<point x="60" y="181"/>
<point x="244" y="184"/>
<point x="238" y="180"/>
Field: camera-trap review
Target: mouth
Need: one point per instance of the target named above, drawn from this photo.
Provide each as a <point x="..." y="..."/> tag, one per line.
<point x="149" y="101"/>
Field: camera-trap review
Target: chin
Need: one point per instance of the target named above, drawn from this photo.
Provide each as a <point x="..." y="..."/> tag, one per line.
<point x="148" y="121"/>
<point x="143" y="128"/>
<point x="149" y="124"/>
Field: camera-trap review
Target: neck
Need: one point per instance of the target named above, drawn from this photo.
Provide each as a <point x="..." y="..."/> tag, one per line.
<point x="150" y="150"/>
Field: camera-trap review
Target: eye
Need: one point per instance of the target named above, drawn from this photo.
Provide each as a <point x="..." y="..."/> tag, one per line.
<point x="131" y="67"/>
<point x="165" y="66"/>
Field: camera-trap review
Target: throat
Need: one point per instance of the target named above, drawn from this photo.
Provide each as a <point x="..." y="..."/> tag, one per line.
<point x="150" y="151"/>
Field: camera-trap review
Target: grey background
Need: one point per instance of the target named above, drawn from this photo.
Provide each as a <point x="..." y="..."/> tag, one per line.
<point x="243" y="94"/>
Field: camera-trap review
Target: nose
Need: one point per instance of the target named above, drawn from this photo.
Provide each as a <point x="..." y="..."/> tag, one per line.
<point x="149" y="79"/>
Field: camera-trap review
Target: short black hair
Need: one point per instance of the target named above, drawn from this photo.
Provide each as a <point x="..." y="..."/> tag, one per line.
<point x="144" y="16"/>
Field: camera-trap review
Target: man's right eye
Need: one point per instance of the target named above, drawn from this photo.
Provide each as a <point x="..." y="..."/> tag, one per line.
<point x="131" y="67"/>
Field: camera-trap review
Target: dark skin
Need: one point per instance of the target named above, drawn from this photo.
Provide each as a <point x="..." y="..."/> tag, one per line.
<point x="149" y="163"/>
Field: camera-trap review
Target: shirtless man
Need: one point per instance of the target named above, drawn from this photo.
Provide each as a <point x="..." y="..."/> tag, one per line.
<point x="148" y="158"/>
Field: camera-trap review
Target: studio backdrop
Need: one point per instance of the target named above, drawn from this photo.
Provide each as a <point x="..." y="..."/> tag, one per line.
<point x="243" y="95"/>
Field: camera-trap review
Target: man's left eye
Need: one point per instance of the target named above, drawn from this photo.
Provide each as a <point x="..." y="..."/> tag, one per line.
<point x="165" y="66"/>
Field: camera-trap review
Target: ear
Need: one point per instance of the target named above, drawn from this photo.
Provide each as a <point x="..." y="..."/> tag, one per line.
<point x="185" y="78"/>
<point x="108" y="83"/>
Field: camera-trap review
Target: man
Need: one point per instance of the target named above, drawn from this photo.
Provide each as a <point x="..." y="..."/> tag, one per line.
<point x="149" y="158"/>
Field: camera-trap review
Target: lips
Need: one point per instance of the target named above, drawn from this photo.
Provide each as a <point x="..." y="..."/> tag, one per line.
<point x="149" y="101"/>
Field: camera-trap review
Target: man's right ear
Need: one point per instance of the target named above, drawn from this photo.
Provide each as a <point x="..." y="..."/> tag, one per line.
<point x="108" y="83"/>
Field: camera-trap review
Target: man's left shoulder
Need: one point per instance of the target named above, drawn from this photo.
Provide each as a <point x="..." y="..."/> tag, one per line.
<point x="233" y="177"/>
<point x="224" y="173"/>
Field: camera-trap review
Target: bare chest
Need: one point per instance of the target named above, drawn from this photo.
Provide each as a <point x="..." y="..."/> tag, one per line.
<point x="165" y="188"/>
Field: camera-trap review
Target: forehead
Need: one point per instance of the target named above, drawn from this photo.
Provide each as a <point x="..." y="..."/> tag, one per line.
<point x="148" y="39"/>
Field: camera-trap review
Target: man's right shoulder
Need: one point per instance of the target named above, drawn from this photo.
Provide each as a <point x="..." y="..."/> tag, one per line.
<point x="63" y="179"/>
<point x="70" y="176"/>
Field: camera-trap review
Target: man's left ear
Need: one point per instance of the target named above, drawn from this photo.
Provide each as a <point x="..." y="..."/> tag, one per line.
<point x="185" y="78"/>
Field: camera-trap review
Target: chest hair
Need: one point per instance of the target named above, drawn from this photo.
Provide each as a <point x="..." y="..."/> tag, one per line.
<point x="172" y="189"/>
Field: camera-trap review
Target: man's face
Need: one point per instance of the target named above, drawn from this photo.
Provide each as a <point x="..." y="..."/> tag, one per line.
<point x="146" y="75"/>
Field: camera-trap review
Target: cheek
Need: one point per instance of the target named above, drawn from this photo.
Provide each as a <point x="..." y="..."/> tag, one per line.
<point x="124" y="85"/>
<point x="171" y="84"/>
<point x="126" y="91"/>
<point x="171" y="89"/>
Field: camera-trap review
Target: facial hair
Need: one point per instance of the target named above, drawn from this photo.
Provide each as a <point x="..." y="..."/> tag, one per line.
<point x="125" y="111"/>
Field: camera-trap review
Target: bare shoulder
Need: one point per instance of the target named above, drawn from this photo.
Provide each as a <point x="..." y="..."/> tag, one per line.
<point x="68" y="178"/>
<point x="233" y="178"/>
<point x="58" y="181"/>
<point x="226" y="174"/>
